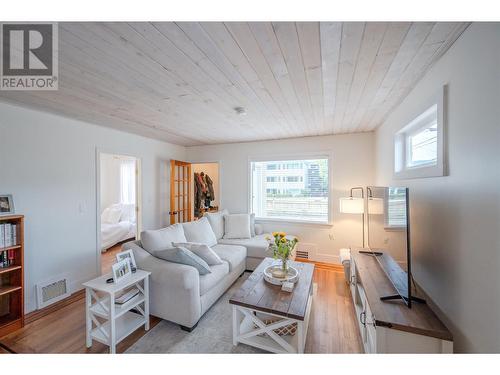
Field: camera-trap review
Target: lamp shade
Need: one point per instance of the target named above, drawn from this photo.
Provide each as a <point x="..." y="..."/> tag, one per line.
<point x="352" y="205"/>
<point x="375" y="206"/>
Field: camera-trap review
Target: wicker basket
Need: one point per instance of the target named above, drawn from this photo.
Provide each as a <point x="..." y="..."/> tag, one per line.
<point x="289" y="329"/>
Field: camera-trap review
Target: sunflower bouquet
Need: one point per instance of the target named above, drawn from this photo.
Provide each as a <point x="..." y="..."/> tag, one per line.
<point x="282" y="247"/>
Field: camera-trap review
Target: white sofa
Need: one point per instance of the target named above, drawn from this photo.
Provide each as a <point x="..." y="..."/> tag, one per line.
<point x="178" y="292"/>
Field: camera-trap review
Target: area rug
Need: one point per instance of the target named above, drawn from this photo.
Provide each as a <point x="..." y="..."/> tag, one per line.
<point x="212" y="335"/>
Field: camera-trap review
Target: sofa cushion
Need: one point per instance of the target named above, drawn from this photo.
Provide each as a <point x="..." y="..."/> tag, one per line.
<point x="182" y="255"/>
<point x="202" y="250"/>
<point x="218" y="272"/>
<point x="216" y="220"/>
<point x="161" y="239"/>
<point x="237" y="226"/>
<point x="199" y="231"/>
<point x="257" y="247"/>
<point x="232" y="254"/>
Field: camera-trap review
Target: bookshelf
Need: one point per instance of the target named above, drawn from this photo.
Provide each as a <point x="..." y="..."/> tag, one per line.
<point x="12" y="278"/>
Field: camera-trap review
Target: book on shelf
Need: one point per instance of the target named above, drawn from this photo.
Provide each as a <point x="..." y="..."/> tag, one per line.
<point x="2" y="235"/>
<point x="4" y="259"/>
<point x="8" y="235"/>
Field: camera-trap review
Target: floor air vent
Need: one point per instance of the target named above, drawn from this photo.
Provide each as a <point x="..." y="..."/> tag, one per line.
<point x="52" y="291"/>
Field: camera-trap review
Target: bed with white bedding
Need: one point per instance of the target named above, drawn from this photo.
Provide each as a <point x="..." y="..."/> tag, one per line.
<point x="117" y="224"/>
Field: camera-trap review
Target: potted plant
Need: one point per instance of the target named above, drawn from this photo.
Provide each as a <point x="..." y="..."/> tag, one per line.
<point x="282" y="248"/>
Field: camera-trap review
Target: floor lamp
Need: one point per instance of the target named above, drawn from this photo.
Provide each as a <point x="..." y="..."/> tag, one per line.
<point x="355" y="205"/>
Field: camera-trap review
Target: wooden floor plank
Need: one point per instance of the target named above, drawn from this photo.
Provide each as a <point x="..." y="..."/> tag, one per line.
<point x="332" y="326"/>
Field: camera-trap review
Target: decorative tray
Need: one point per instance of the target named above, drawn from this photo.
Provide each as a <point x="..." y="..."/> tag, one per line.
<point x="291" y="277"/>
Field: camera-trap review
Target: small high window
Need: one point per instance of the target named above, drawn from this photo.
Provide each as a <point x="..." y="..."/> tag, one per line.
<point x="418" y="146"/>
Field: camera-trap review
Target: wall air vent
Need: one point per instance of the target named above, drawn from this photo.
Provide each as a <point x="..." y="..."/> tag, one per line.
<point x="52" y="291"/>
<point x="305" y="251"/>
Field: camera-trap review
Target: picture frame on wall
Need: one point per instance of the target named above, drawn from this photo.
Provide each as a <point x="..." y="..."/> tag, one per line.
<point x="121" y="270"/>
<point x="127" y="254"/>
<point x="6" y="204"/>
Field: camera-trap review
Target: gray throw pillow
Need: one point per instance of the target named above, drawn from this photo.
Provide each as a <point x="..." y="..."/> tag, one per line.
<point x="202" y="250"/>
<point x="252" y="225"/>
<point x="182" y="255"/>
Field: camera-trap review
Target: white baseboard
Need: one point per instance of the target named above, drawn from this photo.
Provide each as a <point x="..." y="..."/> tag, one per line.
<point x="327" y="258"/>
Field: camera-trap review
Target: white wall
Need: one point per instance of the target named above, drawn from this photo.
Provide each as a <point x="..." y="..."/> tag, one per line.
<point x="49" y="164"/>
<point x="455" y="220"/>
<point x="352" y="166"/>
<point x="110" y="180"/>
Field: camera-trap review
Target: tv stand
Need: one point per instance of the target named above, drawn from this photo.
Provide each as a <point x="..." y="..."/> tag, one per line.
<point x="391" y="327"/>
<point x="367" y="252"/>
<point x="397" y="296"/>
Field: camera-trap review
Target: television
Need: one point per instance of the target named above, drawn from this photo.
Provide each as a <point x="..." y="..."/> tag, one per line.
<point x="388" y="221"/>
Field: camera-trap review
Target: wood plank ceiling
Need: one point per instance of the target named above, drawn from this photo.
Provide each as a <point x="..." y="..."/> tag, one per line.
<point x="181" y="82"/>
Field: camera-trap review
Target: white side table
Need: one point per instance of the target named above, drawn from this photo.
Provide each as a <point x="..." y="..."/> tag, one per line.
<point x="109" y="323"/>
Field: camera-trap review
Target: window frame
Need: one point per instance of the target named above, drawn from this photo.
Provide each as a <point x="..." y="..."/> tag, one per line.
<point x="418" y="122"/>
<point x="285" y="157"/>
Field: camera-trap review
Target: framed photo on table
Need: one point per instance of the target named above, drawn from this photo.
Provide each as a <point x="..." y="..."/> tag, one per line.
<point x="6" y="204"/>
<point x="122" y="270"/>
<point x="127" y="254"/>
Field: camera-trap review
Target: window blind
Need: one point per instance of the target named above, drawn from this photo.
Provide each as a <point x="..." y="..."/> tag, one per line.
<point x="396" y="208"/>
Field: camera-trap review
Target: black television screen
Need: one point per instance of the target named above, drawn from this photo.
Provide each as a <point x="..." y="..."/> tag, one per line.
<point x="389" y="236"/>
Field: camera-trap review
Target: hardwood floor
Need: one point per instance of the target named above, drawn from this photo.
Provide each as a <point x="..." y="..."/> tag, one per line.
<point x="332" y="326"/>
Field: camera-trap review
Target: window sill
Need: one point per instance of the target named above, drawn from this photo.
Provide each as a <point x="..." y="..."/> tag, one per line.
<point x="395" y="229"/>
<point x="294" y="222"/>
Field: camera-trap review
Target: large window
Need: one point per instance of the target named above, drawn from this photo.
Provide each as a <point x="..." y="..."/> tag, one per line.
<point x="290" y="189"/>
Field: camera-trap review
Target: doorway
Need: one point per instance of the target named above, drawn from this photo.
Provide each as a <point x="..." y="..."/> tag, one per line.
<point x="206" y="188"/>
<point x="118" y="205"/>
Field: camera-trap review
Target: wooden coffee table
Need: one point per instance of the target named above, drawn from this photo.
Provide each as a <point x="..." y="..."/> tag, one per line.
<point x="258" y="296"/>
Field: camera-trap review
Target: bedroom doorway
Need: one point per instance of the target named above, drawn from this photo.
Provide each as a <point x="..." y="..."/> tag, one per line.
<point x="118" y="205"/>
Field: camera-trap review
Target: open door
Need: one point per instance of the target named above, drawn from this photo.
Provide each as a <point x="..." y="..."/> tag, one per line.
<point x="181" y="201"/>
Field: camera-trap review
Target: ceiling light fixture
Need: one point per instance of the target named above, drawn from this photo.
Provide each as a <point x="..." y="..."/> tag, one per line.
<point x="240" y="111"/>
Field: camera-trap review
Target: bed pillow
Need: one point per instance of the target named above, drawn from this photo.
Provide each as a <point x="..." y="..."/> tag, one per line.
<point x="199" y="231"/>
<point x="237" y="226"/>
<point x="216" y="220"/>
<point x="161" y="239"/>
<point x="181" y="255"/>
<point x="111" y="215"/>
<point x="202" y="250"/>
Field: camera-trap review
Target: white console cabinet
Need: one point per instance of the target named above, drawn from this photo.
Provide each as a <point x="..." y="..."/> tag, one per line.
<point x="390" y="326"/>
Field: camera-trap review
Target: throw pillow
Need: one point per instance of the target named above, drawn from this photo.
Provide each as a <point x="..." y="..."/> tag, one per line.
<point x="199" y="231"/>
<point x="202" y="250"/>
<point x="252" y="225"/>
<point x="182" y="255"/>
<point x="161" y="239"/>
<point x="259" y="229"/>
<point x="237" y="226"/>
<point x="216" y="220"/>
